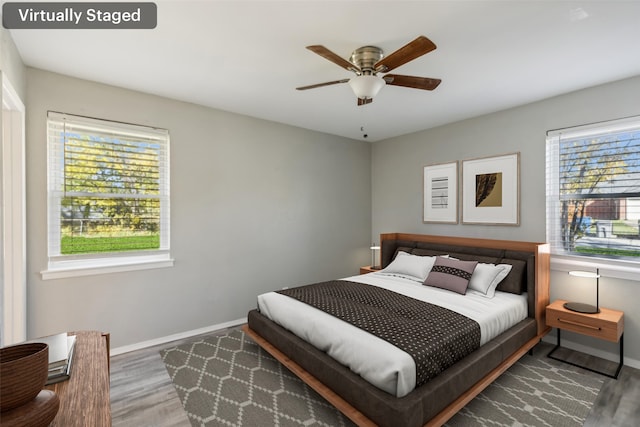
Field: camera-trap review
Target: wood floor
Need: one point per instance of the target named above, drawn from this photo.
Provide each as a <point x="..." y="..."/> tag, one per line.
<point x="142" y="393"/>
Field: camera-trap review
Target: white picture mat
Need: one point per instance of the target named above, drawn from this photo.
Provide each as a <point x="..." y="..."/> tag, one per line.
<point x="440" y="180"/>
<point x="508" y="213"/>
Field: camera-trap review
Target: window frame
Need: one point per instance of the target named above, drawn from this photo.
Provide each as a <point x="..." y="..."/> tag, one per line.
<point x="61" y="266"/>
<point x="622" y="268"/>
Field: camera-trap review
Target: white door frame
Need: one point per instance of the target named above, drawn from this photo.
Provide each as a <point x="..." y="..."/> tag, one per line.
<point x="12" y="218"/>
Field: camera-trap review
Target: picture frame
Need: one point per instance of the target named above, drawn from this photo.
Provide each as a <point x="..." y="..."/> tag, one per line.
<point x="440" y="190"/>
<point x="491" y="190"/>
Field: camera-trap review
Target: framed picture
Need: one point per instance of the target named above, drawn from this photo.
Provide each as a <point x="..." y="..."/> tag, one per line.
<point x="490" y="190"/>
<point x="440" y="202"/>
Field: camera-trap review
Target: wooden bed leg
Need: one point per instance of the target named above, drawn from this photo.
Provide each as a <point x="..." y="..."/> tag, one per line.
<point x="531" y="350"/>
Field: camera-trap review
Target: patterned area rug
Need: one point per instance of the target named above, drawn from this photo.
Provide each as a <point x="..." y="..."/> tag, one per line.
<point x="536" y="391"/>
<point x="229" y="380"/>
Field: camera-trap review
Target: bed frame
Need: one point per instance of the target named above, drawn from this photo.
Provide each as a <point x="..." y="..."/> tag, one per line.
<point x="438" y="400"/>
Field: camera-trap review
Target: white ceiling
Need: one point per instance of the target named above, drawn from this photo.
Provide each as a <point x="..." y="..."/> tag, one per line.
<point x="248" y="56"/>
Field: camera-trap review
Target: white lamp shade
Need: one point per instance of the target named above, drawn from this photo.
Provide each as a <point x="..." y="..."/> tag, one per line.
<point x="374" y="248"/>
<point x="579" y="273"/>
<point x="366" y="86"/>
<point x="586" y="308"/>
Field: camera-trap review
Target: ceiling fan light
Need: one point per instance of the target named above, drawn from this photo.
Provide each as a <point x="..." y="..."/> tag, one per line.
<point x="366" y="86"/>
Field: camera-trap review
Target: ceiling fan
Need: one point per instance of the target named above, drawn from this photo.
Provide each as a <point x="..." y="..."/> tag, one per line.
<point x="366" y="62"/>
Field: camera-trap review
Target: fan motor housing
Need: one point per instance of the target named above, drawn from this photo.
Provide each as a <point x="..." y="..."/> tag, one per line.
<point x="366" y="58"/>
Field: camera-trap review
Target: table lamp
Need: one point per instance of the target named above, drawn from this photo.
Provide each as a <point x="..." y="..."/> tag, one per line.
<point x="374" y="248"/>
<point x="586" y="308"/>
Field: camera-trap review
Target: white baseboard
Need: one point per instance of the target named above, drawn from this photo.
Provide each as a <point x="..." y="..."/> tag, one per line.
<point x="634" y="363"/>
<point x="162" y="340"/>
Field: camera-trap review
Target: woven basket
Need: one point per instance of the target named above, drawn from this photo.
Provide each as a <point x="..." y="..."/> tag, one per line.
<point x="23" y="369"/>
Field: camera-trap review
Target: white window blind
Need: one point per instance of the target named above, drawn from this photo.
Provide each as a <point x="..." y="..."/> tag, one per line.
<point x="593" y="190"/>
<point x="108" y="190"/>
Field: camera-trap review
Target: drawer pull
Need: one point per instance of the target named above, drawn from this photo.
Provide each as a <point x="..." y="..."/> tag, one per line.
<point x="579" y="324"/>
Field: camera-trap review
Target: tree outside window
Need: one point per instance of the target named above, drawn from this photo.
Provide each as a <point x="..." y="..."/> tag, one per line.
<point x="108" y="187"/>
<point x="593" y="191"/>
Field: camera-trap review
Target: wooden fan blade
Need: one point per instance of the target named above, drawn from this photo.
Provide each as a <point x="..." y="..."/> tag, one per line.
<point x="364" y="101"/>
<point x="322" y="84"/>
<point x="407" y="53"/>
<point x="338" y="60"/>
<point x="423" y="83"/>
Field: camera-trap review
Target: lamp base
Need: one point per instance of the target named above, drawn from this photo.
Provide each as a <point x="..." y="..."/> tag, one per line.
<point x="581" y="308"/>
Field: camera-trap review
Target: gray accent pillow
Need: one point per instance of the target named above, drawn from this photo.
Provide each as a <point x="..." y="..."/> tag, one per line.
<point x="451" y="274"/>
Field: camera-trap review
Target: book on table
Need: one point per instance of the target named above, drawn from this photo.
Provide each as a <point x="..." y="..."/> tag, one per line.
<point x="61" y="347"/>
<point x="62" y="372"/>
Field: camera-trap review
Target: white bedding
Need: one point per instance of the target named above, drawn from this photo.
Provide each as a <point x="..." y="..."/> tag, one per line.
<point x="380" y="363"/>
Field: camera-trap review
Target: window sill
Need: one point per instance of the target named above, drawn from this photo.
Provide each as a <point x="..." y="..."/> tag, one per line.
<point x="626" y="270"/>
<point x="77" y="268"/>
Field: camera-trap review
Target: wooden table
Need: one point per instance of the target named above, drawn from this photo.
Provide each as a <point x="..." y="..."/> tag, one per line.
<point x="368" y="269"/>
<point x="606" y="325"/>
<point x="84" y="397"/>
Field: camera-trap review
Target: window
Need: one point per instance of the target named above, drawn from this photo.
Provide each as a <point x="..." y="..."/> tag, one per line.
<point x="593" y="190"/>
<point x="108" y="196"/>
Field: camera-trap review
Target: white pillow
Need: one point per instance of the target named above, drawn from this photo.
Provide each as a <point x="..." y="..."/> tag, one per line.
<point x="486" y="277"/>
<point x="409" y="266"/>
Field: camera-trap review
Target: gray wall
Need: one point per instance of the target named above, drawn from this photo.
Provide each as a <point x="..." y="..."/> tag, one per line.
<point x="397" y="166"/>
<point x="255" y="206"/>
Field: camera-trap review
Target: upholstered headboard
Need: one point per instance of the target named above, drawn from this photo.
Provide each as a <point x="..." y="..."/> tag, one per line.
<point x="530" y="261"/>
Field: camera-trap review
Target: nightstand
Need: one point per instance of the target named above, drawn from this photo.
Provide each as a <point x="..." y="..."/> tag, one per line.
<point x="606" y="325"/>
<point x="368" y="269"/>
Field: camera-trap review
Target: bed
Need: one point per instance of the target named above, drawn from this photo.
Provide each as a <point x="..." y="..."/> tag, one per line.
<point x="424" y="399"/>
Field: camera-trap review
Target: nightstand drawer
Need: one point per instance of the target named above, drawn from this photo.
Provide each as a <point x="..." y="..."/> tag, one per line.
<point x="607" y="325"/>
